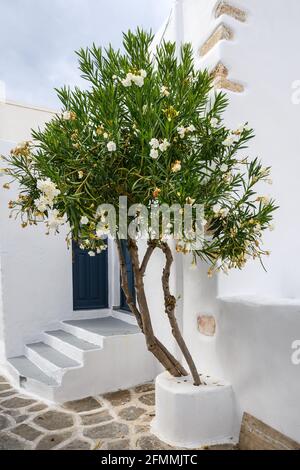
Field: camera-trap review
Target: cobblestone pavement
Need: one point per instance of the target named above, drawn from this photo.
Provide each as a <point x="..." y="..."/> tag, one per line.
<point x="115" y="421"/>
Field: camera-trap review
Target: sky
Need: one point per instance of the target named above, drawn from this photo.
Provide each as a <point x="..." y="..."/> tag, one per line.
<point x="38" y="39"/>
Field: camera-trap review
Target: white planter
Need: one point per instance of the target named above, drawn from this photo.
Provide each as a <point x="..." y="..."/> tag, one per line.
<point x="189" y="416"/>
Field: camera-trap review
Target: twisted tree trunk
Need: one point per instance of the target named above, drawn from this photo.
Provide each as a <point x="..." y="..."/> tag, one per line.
<point x="169" y="362"/>
<point x="170" y="304"/>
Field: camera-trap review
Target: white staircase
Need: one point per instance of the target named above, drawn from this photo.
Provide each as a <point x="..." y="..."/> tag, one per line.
<point x="83" y="358"/>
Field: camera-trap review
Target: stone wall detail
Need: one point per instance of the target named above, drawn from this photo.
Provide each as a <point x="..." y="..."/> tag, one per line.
<point x="206" y="325"/>
<point x="220" y="33"/>
<point x="221" y="81"/>
<point x="256" y="435"/>
<point x="225" y="8"/>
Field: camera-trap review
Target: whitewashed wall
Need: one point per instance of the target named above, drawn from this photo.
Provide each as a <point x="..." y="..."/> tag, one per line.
<point x="36" y="269"/>
<point x="252" y="346"/>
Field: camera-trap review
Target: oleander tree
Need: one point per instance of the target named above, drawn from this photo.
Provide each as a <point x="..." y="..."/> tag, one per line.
<point x="148" y="126"/>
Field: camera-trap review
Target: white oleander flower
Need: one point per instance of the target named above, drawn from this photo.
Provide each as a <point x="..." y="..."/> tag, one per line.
<point x="54" y="220"/>
<point x="138" y="80"/>
<point x="48" y="188"/>
<point x="191" y="128"/>
<point x="102" y="229"/>
<point x="154" y="143"/>
<point x="111" y="146"/>
<point x="229" y="141"/>
<point x="263" y="199"/>
<point x="100" y="214"/>
<point x="176" y="166"/>
<point x="154" y="153"/>
<point x="181" y="131"/>
<point x="105" y="135"/>
<point x="224" y="168"/>
<point x="80" y="174"/>
<point x="84" y="220"/>
<point x="164" y="145"/>
<point x="127" y="82"/>
<point x="131" y="78"/>
<point x="91" y="253"/>
<point x="214" y="122"/>
<point x="68" y="116"/>
<point x="42" y="203"/>
<point x="224" y="212"/>
<point x="164" y="91"/>
<point x="216" y="208"/>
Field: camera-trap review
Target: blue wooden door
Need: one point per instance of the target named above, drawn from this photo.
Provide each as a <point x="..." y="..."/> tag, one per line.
<point x="123" y="303"/>
<point x="90" y="280"/>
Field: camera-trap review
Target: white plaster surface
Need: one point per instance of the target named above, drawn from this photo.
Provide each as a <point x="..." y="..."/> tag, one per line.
<point x="252" y="346"/>
<point x="189" y="416"/>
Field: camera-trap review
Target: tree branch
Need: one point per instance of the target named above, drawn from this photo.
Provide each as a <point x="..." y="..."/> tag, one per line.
<point x="170" y="304"/>
<point x="151" y="247"/>
<point x="154" y="345"/>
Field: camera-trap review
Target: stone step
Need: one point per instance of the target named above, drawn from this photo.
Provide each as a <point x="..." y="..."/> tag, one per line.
<point x="49" y="359"/>
<point x="28" y="370"/>
<point x="68" y="344"/>
<point x="96" y="330"/>
<point x="84" y="358"/>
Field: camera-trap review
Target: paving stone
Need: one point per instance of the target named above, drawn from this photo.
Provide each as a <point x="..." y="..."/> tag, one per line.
<point x="4" y="422"/>
<point x="98" y="445"/>
<point x="147" y="418"/>
<point x="12" y="413"/>
<point x="107" y="431"/>
<point x="52" y="440"/>
<point x="80" y="406"/>
<point x="96" y="418"/>
<point x="17" y="402"/>
<point x="5" y="387"/>
<point x="223" y="447"/>
<point x="54" y="420"/>
<point x="121" y="397"/>
<point x="9" y="393"/>
<point x="148" y="399"/>
<point x="3" y="379"/>
<point x="141" y="429"/>
<point x="120" y="444"/>
<point x="38" y="407"/>
<point x="131" y="413"/>
<point x="10" y="443"/>
<point x="21" y="418"/>
<point x="150" y="442"/>
<point x="27" y="432"/>
<point x="77" y="444"/>
<point x="145" y="388"/>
